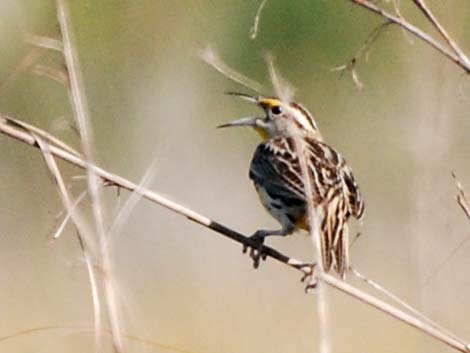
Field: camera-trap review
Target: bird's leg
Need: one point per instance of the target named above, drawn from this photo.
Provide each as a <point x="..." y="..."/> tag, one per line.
<point x="256" y="253"/>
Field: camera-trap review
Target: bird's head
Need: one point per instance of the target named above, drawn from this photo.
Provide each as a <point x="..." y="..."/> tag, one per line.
<point x="279" y="119"/>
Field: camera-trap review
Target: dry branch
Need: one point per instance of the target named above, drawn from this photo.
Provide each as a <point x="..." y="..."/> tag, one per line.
<point x="453" y="53"/>
<point x="430" y="16"/>
<point x="363" y="50"/>
<point x="11" y="128"/>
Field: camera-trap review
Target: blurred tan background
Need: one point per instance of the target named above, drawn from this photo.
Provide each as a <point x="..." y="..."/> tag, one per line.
<point x="152" y="98"/>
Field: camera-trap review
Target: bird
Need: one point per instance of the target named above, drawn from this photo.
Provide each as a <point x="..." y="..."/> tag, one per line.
<point x="276" y="173"/>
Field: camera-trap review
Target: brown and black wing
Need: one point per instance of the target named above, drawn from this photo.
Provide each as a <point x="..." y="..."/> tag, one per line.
<point x="276" y="167"/>
<point x="327" y="167"/>
<point x="355" y="201"/>
<point x="271" y="172"/>
<point x="343" y="199"/>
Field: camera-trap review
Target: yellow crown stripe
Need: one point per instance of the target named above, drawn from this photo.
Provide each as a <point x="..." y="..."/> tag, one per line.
<point x="269" y="102"/>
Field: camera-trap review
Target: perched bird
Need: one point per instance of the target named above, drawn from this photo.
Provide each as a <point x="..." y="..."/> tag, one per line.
<point x="276" y="173"/>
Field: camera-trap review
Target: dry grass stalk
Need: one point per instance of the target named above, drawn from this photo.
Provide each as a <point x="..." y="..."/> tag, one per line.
<point x="254" y="28"/>
<point x="210" y="57"/>
<point x="396" y="7"/>
<point x="403" y="304"/>
<point x="285" y="92"/>
<point x="413" y="321"/>
<point x="82" y="228"/>
<point x="131" y="202"/>
<point x="79" y="105"/>
<point x="60" y="229"/>
<point x="44" y="42"/>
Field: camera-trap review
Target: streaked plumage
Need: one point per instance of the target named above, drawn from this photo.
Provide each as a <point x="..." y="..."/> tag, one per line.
<point x="276" y="173"/>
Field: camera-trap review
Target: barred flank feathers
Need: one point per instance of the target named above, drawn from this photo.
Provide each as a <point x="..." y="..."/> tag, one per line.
<point x="275" y="168"/>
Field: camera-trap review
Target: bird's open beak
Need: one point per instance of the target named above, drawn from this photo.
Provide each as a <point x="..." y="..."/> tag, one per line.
<point x="244" y="96"/>
<point x="249" y="121"/>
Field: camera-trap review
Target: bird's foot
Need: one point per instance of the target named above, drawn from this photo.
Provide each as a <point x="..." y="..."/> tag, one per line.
<point x="256" y="252"/>
<point x="309" y="277"/>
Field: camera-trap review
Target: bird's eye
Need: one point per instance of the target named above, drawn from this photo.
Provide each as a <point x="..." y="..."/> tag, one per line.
<point x="276" y="110"/>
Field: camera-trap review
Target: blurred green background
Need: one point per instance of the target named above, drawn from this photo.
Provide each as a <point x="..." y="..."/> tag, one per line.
<point x="152" y="99"/>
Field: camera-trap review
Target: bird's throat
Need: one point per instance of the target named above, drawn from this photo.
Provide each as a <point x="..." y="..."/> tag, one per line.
<point x="263" y="133"/>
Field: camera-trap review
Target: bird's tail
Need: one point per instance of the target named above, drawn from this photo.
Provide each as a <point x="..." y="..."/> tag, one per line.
<point x="335" y="236"/>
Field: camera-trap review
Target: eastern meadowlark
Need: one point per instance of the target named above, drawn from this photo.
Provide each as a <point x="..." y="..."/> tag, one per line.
<point x="276" y="173"/>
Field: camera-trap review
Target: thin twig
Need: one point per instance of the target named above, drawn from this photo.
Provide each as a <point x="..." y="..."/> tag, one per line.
<point x="47" y="137"/>
<point x="353" y="241"/>
<point x="443" y="264"/>
<point x="396" y="6"/>
<point x="22" y="134"/>
<point x="449" y="53"/>
<point x="254" y="28"/>
<point x="59" y="230"/>
<point x="351" y="64"/>
<point x="430" y="16"/>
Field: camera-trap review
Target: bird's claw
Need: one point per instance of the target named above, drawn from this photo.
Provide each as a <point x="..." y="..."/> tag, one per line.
<point x="309" y="276"/>
<point x="256" y="253"/>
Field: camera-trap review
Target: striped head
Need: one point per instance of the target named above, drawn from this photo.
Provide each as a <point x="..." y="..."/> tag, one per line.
<point x="281" y="119"/>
